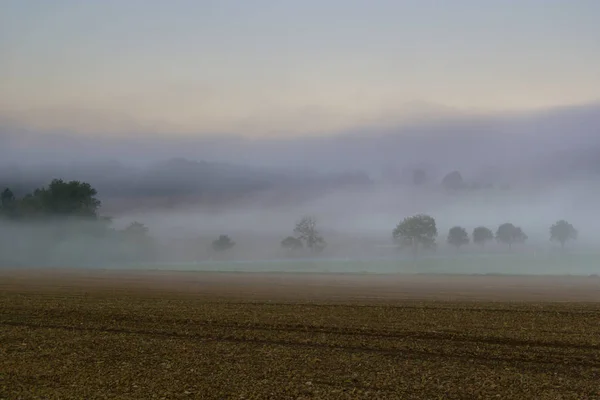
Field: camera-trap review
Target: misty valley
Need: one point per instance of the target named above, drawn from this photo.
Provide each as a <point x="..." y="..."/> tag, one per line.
<point x="300" y="200"/>
<point x="200" y="216"/>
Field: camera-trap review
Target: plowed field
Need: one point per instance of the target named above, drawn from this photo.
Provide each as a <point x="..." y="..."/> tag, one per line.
<point x="93" y="335"/>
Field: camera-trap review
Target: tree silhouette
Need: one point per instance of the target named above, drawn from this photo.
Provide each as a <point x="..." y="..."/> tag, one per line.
<point x="306" y="230"/>
<point x="416" y="231"/>
<point x="59" y="199"/>
<point x="291" y="243"/>
<point x="457" y="236"/>
<point x="481" y="235"/>
<point x="137" y="242"/>
<point x="68" y="227"/>
<point x="562" y="231"/>
<point x="223" y="243"/>
<point x="8" y="204"/>
<point x="509" y="234"/>
<point x="136" y="229"/>
<point x="453" y="181"/>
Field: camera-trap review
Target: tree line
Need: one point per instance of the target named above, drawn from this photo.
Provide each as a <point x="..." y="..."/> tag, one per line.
<point x="420" y="232"/>
<point x="61" y="222"/>
<point x="71" y="211"/>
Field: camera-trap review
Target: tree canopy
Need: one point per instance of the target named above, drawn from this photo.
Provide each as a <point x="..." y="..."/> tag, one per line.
<point x="60" y="223"/>
<point x="8" y="204"/>
<point x="223" y="243"/>
<point x="136" y="229"/>
<point x="292" y="243"/>
<point x="457" y="236"/>
<point x="58" y="199"/>
<point x="453" y="181"/>
<point x="509" y="234"/>
<point x="481" y="235"/>
<point x="417" y="231"/>
<point x="562" y="232"/>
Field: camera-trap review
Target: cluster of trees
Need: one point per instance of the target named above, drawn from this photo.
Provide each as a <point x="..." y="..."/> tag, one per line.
<point x="506" y="233"/>
<point x="305" y="236"/>
<point x="64" y="217"/>
<point x="61" y="223"/>
<point x="420" y="231"/>
<point x="181" y="180"/>
<point x="69" y="213"/>
<point x="58" y="199"/>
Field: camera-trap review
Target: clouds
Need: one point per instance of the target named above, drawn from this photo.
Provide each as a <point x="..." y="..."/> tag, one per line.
<point x="305" y="68"/>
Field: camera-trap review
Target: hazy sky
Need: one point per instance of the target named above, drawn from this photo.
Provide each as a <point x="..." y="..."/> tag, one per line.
<point x="288" y="67"/>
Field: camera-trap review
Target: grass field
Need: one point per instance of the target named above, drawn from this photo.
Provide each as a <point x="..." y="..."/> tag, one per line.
<point x="76" y="335"/>
<point x="454" y="263"/>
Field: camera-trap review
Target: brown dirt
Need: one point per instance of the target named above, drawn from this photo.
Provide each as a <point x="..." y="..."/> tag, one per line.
<point x="312" y="287"/>
<point x="72" y="334"/>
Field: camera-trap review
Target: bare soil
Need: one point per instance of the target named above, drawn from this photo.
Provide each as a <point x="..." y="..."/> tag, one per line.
<point x="311" y="287"/>
<point x="72" y="334"/>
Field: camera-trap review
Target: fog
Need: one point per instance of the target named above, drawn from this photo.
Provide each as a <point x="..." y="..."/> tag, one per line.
<point x="530" y="169"/>
<point x="461" y="141"/>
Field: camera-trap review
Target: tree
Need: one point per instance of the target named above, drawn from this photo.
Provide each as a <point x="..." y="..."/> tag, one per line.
<point x="68" y="228"/>
<point x="71" y="206"/>
<point x="562" y="231"/>
<point x="67" y="222"/>
<point x="520" y="236"/>
<point x="7" y="197"/>
<point x="453" y="181"/>
<point x="8" y="203"/>
<point x="62" y="199"/>
<point x="418" y="230"/>
<point x="481" y="235"/>
<point x="137" y="242"/>
<point x="136" y="229"/>
<point x="306" y="230"/>
<point x="457" y="236"/>
<point x="223" y="243"/>
<point x="291" y="243"/>
<point x="509" y="234"/>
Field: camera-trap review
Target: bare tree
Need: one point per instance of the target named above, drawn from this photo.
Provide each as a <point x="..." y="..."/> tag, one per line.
<point x="306" y="230"/>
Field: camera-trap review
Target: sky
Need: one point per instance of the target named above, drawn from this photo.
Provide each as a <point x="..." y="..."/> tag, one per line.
<point x="288" y="68"/>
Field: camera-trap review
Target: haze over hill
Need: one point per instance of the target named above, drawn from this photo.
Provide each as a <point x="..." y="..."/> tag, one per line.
<point x="548" y="144"/>
<point x="358" y="182"/>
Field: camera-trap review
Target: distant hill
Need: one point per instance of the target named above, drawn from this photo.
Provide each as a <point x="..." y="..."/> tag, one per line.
<point x="542" y="146"/>
<point x="177" y="179"/>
